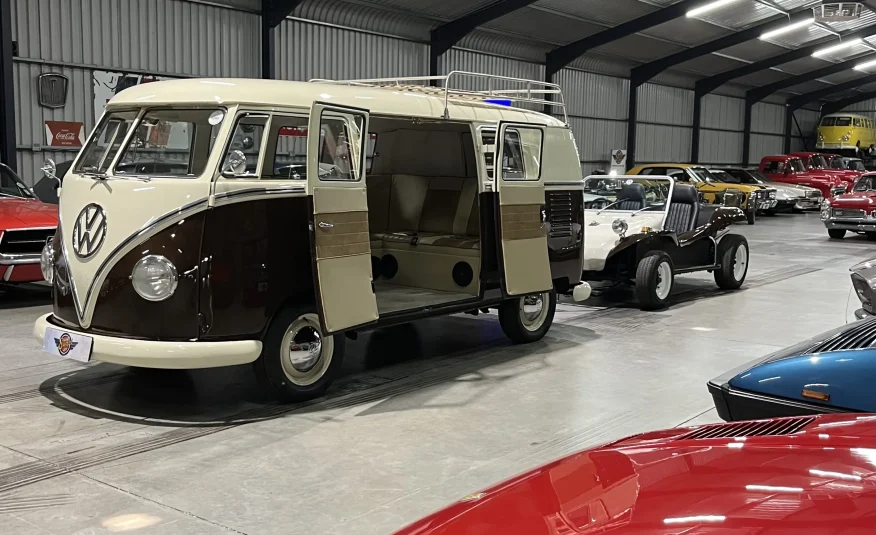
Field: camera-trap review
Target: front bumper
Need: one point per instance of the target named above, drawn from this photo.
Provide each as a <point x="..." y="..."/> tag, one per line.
<point x="733" y="404"/>
<point x="835" y="146"/>
<point x="767" y="204"/>
<point x="20" y="272"/>
<point x="155" y="354"/>
<point x="809" y="203"/>
<point x="855" y="225"/>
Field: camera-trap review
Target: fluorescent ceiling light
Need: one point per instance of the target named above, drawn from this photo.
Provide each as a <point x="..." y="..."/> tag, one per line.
<point x="697" y="11"/>
<point x="789" y="28"/>
<point x="837" y="48"/>
<point x="866" y="65"/>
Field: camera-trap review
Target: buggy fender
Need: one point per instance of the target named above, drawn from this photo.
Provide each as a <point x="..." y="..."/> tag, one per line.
<point x="722" y="218"/>
<point x="635" y="239"/>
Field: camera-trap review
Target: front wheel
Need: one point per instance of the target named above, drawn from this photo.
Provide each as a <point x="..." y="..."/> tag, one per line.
<point x="298" y="362"/>
<point x="836" y="233"/>
<point x="751" y="216"/>
<point x="527" y="319"/>
<point x="733" y="252"/>
<point x="655" y="277"/>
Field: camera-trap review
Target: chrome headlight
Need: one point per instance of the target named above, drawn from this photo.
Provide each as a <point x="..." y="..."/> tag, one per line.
<point x="619" y="226"/>
<point x="47" y="262"/>
<point x="154" y="278"/>
<point x="847" y="137"/>
<point x="825" y="210"/>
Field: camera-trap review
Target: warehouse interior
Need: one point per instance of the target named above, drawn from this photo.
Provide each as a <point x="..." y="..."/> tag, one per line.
<point x="430" y="412"/>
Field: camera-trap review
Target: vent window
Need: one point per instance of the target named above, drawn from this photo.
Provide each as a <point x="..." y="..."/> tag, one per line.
<point x="760" y="428"/>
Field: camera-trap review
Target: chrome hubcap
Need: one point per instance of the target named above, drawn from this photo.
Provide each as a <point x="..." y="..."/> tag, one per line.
<point x="306" y="354"/>
<point x="533" y="310"/>
<point x="740" y="262"/>
<point x="664" y="280"/>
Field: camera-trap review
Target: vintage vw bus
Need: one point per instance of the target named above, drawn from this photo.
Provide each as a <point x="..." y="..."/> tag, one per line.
<point x="218" y="222"/>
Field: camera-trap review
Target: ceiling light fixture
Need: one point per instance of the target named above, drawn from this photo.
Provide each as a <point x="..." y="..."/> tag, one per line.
<point x="697" y="11"/>
<point x="836" y="48"/>
<point x="866" y="65"/>
<point x="789" y="28"/>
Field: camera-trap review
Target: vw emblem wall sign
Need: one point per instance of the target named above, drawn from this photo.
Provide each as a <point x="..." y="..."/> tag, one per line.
<point x="89" y="231"/>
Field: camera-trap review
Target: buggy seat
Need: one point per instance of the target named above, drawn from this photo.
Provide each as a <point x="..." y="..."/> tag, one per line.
<point x="683" y="209"/>
<point x="631" y="197"/>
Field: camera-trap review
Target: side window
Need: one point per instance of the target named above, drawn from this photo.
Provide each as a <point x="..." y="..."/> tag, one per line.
<point x="286" y="153"/>
<point x="857" y="122"/>
<point x="779" y="167"/>
<point x="521" y="154"/>
<point x="488" y="140"/>
<point x="338" y="152"/>
<point x="650" y="171"/>
<point x="241" y="158"/>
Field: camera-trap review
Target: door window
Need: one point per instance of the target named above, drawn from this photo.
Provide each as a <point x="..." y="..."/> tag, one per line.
<point x="340" y="146"/>
<point x="521" y="154"/>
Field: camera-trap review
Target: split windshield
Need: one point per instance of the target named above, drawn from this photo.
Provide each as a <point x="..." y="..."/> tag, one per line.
<point x="818" y="162"/>
<point x="797" y="166"/>
<point x="836" y="121"/>
<point x="165" y="143"/>
<point x="865" y="183"/>
<point x="656" y="189"/>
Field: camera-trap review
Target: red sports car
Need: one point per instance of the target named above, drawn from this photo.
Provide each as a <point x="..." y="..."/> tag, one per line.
<point x="814" y="474"/>
<point x="25" y="225"/>
<point x="854" y="211"/>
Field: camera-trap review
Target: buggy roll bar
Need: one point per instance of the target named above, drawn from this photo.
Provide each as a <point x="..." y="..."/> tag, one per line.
<point x="529" y="91"/>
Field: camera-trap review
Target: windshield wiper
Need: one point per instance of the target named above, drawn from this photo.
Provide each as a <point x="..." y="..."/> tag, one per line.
<point x="607" y="207"/>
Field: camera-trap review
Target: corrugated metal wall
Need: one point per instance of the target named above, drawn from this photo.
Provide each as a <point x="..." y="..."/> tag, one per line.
<point x="75" y="37"/>
<point x="721" y="127"/>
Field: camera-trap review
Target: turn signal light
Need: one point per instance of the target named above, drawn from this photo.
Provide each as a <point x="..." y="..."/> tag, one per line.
<point x="812" y="394"/>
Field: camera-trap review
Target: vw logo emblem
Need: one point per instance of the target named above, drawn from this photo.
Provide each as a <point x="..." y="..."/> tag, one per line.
<point x="89" y="231"/>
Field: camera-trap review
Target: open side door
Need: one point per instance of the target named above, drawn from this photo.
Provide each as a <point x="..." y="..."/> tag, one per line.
<point x="340" y="241"/>
<point x="522" y="208"/>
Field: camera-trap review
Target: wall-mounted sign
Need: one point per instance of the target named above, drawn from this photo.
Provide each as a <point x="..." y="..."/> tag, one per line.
<point x="52" y="90"/>
<point x="108" y="84"/>
<point x="64" y="133"/>
<point x="619" y="161"/>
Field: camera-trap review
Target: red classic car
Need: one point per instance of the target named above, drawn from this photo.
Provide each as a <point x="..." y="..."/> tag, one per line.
<point x="814" y="474"/>
<point x="792" y="170"/>
<point x="854" y="211"/>
<point x="819" y="162"/>
<point x="25" y="225"/>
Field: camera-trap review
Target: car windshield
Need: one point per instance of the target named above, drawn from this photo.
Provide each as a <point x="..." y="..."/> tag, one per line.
<point x="724" y="176"/>
<point x="656" y="188"/>
<point x="837" y="163"/>
<point x="856" y="165"/>
<point x="796" y="165"/>
<point x="836" y="121"/>
<point x="703" y="174"/>
<point x="866" y="183"/>
<point x="756" y="177"/>
<point x="164" y="143"/>
<point x="818" y="161"/>
<point x="12" y="186"/>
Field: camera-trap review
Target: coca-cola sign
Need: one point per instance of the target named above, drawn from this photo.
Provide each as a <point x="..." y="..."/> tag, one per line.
<point x="64" y="133"/>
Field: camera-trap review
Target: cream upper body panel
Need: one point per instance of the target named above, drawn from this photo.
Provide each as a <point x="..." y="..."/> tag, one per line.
<point x="282" y="94"/>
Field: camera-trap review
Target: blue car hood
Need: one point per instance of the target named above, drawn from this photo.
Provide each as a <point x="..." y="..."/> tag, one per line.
<point x="847" y="377"/>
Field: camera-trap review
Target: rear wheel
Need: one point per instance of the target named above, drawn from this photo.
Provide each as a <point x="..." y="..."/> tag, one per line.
<point x="733" y="253"/>
<point x="654" y="280"/>
<point x="836" y="233"/>
<point x="528" y="318"/>
<point x="298" y="362"/>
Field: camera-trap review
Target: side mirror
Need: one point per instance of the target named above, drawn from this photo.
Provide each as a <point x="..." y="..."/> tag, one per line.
<point x="837" y="190"/>
<point x="235" y="164"/>
<point x="50" y="169"/>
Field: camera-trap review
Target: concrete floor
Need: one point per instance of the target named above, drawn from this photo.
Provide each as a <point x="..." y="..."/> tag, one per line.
<point x="425" y="414"/>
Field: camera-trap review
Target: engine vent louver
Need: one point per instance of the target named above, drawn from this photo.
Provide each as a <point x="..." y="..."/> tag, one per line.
<point x="759" y="428"/>
<point x="860" y="336"/>
<point x="560" y="206"/>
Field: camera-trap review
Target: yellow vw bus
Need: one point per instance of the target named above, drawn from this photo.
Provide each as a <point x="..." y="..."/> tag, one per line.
<point x="845" y="133"/>
<point x="218" y="222"/>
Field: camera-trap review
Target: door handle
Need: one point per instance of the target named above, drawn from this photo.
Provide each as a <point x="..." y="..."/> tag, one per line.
<point x="323" y="224"/>
<point x="542" y="216"/>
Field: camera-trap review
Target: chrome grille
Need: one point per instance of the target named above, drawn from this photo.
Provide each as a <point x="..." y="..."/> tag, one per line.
<point x="27" y="241"/>
<point x="813" y="194"/>
<point x="862" y="335"/>
<point x="560" y="207"/>
<point x="758" y="428"/>
<point x="842" y="212"/>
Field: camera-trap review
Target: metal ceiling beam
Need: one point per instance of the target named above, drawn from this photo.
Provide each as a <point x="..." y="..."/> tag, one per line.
<point x="273" y="12"/>
<point x="799" y="101"/>
<point x="753" y="96"/>
<point x="562" y="56"/>
<point x="707" y="85"/>
<point x="839" y="105"/>
<point x="444" y="37"/>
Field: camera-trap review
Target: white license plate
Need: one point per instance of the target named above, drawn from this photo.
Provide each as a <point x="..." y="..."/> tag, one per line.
<point x="67" y="345"/>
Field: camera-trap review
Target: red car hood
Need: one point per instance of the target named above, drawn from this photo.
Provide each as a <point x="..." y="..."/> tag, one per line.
<point x="26" y="213"/>
<point x="855" y="199"/>
<point x="822" y="480"/>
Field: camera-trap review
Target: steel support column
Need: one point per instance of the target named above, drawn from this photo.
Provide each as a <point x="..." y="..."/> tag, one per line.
<point x="695" y="132"/>
<point x="633" y="120"/>
<point x="273" y="12"/>
<point x="7" y="88"/>
<point x="746" y="132"/>
<point x="789" y="121"/>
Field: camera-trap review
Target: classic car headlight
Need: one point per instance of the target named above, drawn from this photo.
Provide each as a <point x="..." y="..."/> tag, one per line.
<point x="847" y="137"/>
<point x="47" y="257"/>
<point x="773" y="194"/>
<point x="619" y="226"/>
<point x="825" y="210"/>
<point x="154" y="278"/>
<point x="820" y="137"/>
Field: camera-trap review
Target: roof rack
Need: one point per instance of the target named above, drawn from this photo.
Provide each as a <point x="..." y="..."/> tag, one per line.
<point x="529" y="91"/>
